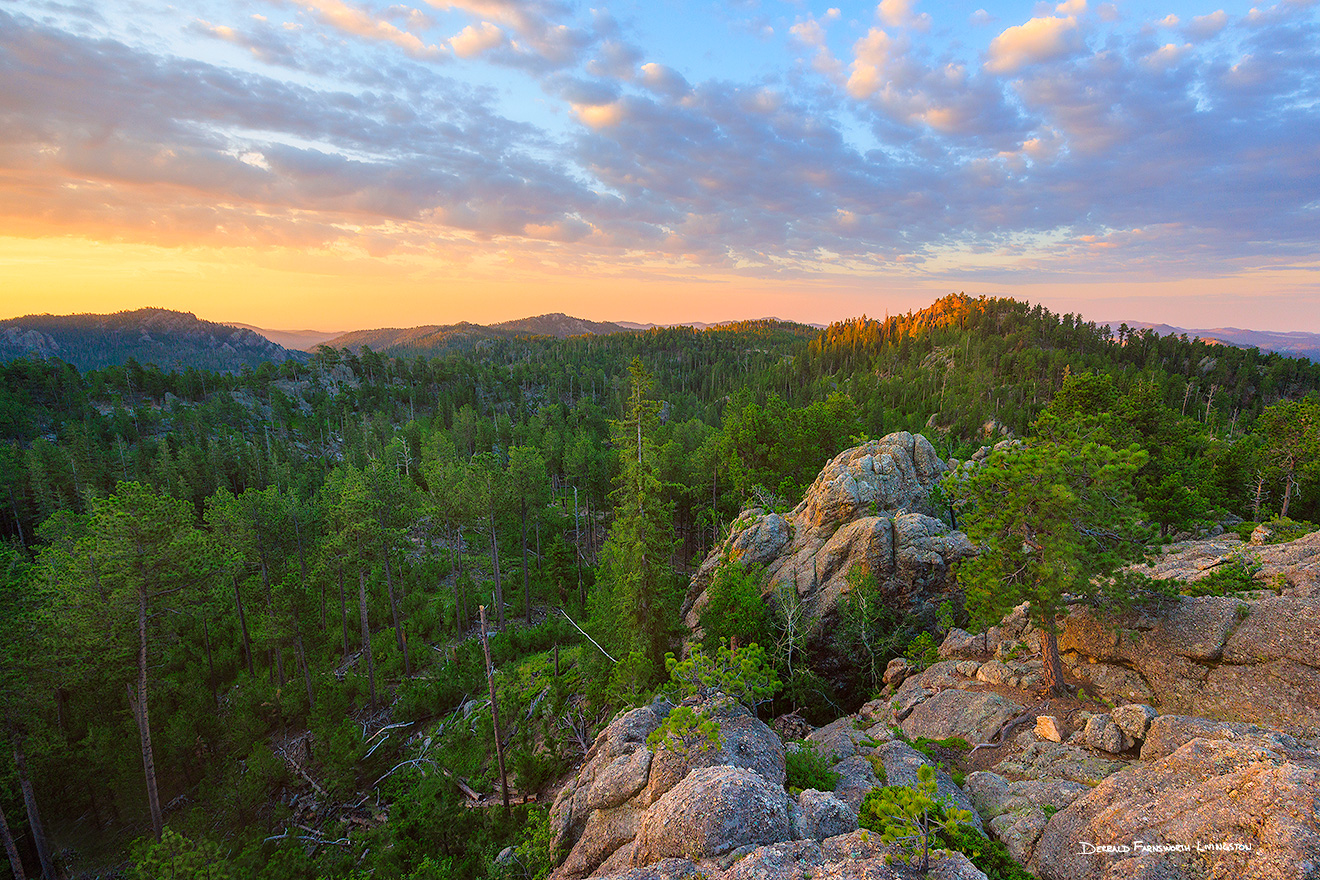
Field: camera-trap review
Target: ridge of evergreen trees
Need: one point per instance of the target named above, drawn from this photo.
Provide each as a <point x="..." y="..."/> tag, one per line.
<point x="350" y="514"/>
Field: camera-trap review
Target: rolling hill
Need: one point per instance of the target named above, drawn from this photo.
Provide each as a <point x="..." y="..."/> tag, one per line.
<point x="168" y="339"/>
<point x="1290" y="343"/>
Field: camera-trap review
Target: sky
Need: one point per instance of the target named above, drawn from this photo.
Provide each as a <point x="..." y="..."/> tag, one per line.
<point x="341" y="164"/>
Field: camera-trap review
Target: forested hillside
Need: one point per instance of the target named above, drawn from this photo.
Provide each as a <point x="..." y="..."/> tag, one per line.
<point x="245" y="605"/>
<point x="166" y="339"/>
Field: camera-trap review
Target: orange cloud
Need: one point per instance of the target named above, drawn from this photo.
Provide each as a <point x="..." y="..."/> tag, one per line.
<point x="352" y="20"/>
<point x="1040" y="39"/>
<point x="473" y="41"/>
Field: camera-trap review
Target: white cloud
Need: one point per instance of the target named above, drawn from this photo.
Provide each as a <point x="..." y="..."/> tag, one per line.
<point x="1167" y="56"/>
<point x="898" y="14"/>
<point x="872" y="56"/>
<point x="664" y="80"/>
<point x="811" y="33"/>
<point x="1038" y="40"/>
<point x="472" y="41"/>
<point x="1205" y="26"/>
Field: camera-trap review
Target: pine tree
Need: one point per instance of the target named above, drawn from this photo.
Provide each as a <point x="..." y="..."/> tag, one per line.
<point x="1051" y="522"/>
<point x="637" y="596"/>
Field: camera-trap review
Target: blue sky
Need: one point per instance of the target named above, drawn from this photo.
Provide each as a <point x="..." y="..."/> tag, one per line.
<point x="360" y="163"/>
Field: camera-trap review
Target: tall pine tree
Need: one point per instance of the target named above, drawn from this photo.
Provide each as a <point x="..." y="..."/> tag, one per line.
<point x="637" y="595"/>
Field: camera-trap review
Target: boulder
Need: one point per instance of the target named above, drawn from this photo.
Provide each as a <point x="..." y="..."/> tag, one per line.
<point x="974" y="716"/>
<point x="959" y="644"/>
<point x="868" y="511"/>
<point x="1016" y="812"/>
<point x="1134" y="719"/>
<point x="1213" y="808"/>
<point x="856" y="778"/>
<point x="1048" y="760"/>
<point x="838" y="739"/>
<point x="848" y="857"/>
<point x="994" y="672"/>
<point x="992" y="795"/>
<point x="897" y="670"/>
<point x="1048" y="727"/>
<point x="604" y="832"/>
<point x="1294" y="565"/>
<point x="666" y="869"/>
<point x="616" y="763"/>
<point x="822" y="815"/>
<point x="712" y="811"/>
<point x="747" y="742"/>
<point x="1248" y="659"/>
<point x="1103" y="734"/>
<point x="1168" y="733"/>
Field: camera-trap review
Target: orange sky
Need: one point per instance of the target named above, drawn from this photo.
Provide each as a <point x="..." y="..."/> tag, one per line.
<point x="294" y="289"/>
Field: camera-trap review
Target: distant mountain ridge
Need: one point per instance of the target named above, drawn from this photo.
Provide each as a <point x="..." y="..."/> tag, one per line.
<point x="168" y="339"/>
<point x="436" y="338"/>
<point x="433" y="338"/>
<point x="1291" y="343"/>
<point x="294" y="340"/>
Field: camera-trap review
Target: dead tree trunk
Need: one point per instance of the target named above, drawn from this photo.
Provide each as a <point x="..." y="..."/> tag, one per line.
<point x="394" y="606"/>
<point x="139" y="703"/>
<point x="242" y="624"/>
<point x="495" y="564"/>
<point x="494" y="711"/>
<point x="11" y="848"/>
<point x="366" y="636"/>
<point x="527" y="593"/>
<point x="34" y="815"/>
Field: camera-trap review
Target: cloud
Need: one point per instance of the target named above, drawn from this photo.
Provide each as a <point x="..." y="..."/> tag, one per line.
<point x="265" y="42"/>
<point x="874" y="56"/>
<point x="355" y="21"/>
<point x="541" y="41"/>
<point x="599" y="115"/>
<point x="981" y="18"/>
<point x="1167" y="55"/>
<point x="664" y="80"/>
<point x="811" y="34"/>
<point x="474" y="40"/>
<point x="1038" y="40"/>
<point x="908" y="157"/>
<point x="1203" y="27"/>
<point x="169" y="150"/>
<point x="898" y="14"/>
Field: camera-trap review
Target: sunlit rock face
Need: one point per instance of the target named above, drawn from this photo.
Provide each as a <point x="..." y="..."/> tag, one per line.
<point x="869" y="510"/>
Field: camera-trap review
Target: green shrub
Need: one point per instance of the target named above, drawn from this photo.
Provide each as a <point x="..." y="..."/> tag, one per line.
<point x="808" y="768"/>
<point x="178" y="858"/>
<point x="746" y="675"/>
<point x="990" y="856"/>
<point x="914" y="819"/>
<point x="686" y="730"/>
<point x="922" y="651"/>
<point x="926" y="825"/>
<point x="1283" y="530"/>
<point x="1233" y="576"/>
